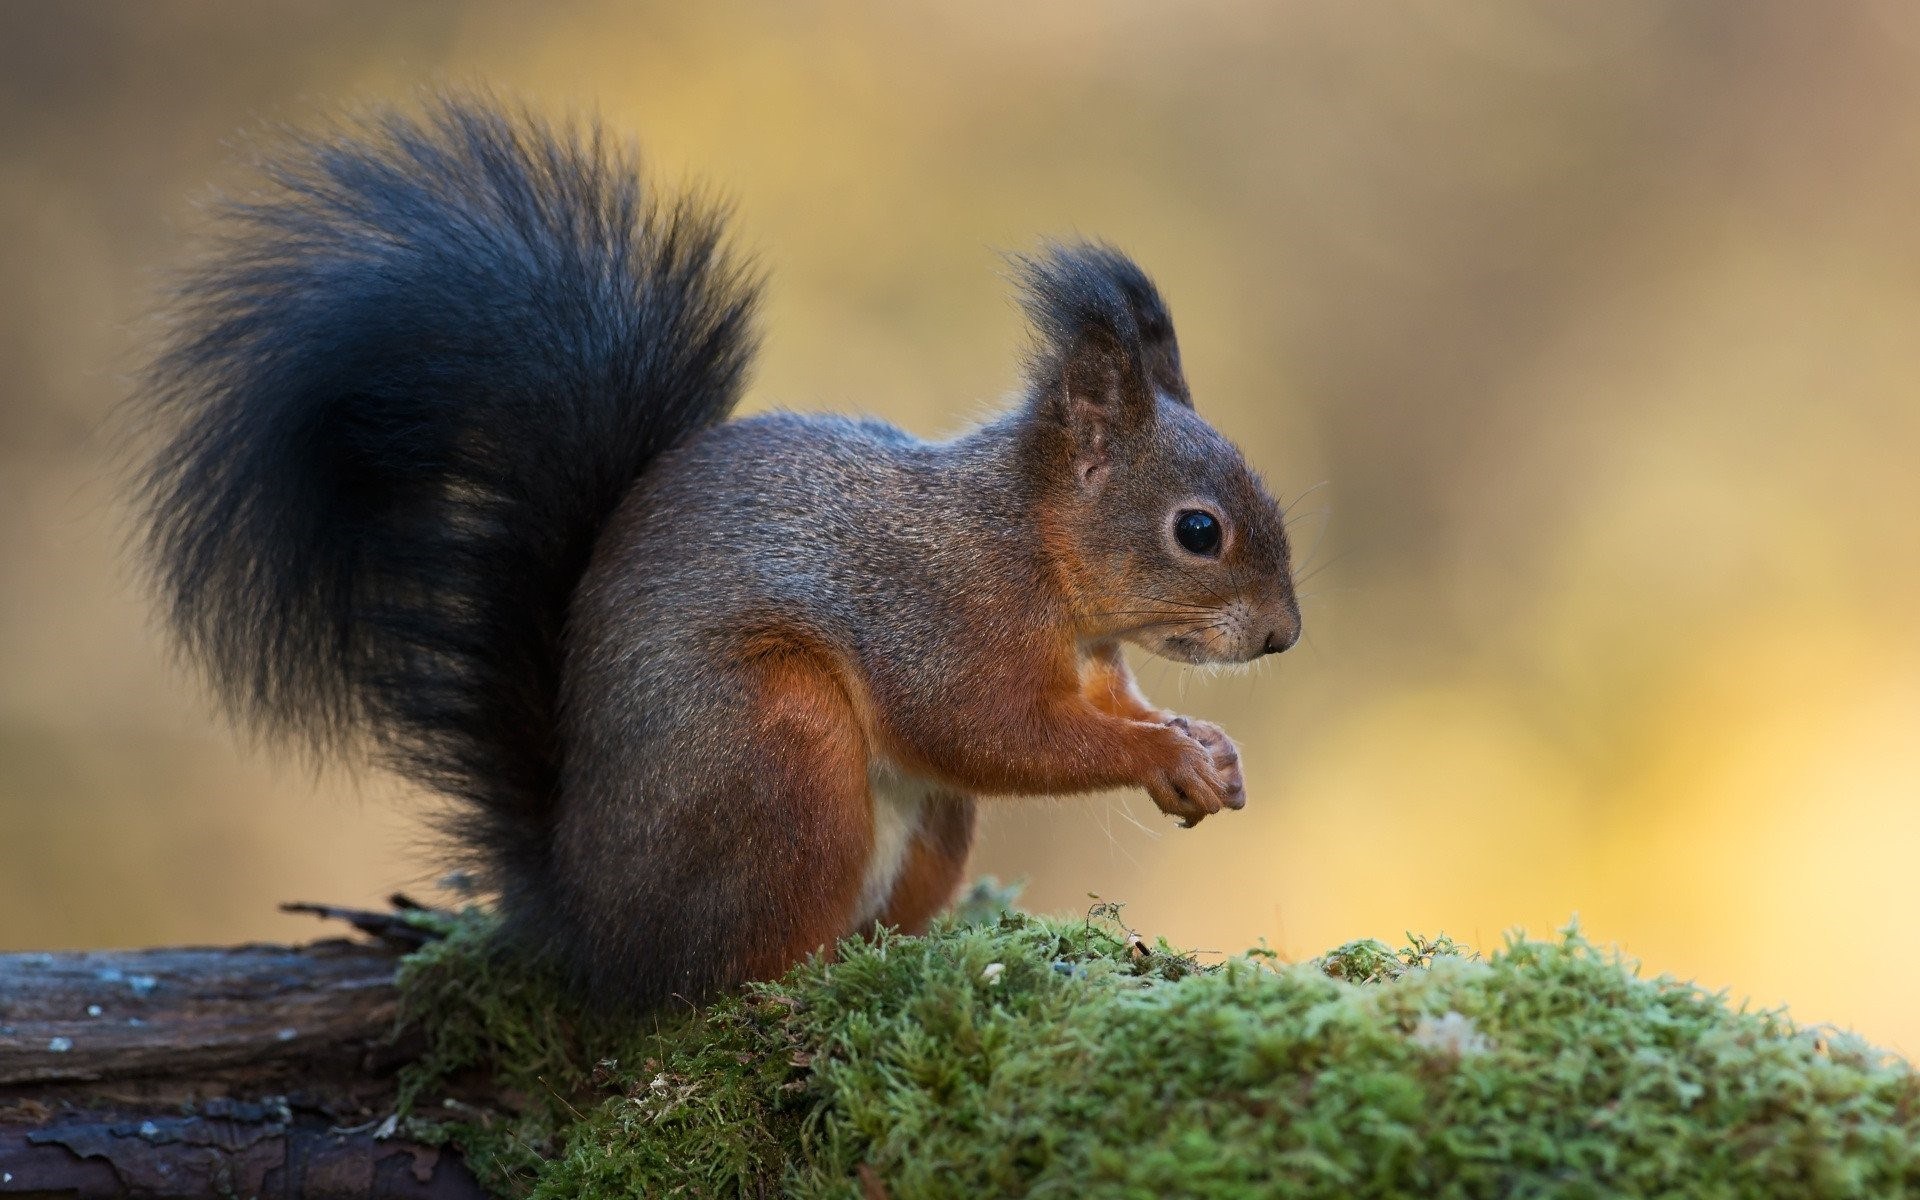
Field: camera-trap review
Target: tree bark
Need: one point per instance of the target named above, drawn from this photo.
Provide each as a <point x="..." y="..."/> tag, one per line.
<point x="244" y="1071"/>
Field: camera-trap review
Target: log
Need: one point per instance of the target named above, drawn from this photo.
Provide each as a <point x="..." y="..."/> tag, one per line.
<point x="195" y="1072"/>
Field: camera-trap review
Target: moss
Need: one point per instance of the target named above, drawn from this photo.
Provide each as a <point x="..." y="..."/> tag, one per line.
<point x="1019" y="1055"/>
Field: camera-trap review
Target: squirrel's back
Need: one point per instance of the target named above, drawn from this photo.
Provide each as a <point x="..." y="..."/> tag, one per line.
<point x="838" y="520"/>
<point x="410" y="384"/>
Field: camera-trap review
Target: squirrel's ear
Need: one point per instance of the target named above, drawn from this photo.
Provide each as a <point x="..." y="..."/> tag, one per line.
<point x="1104" y="349"/>
<point x="1159" y="349"/>
<point x="1096" y="399"/>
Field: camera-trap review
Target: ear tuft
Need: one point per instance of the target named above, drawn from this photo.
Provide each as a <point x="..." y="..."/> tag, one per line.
<point x="1098" y="317"/>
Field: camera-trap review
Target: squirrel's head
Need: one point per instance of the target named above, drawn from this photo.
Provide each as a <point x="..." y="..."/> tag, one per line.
<point x="1166" y="537"/>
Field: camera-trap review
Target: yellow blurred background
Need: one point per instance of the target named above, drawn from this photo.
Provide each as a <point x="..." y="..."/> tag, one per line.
<point x="1590" y="334"/>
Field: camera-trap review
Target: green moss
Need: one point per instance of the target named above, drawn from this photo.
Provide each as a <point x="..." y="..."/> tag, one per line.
<point x="1019" y="1055"/>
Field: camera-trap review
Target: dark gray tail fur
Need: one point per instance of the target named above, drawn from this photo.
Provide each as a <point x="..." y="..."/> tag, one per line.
<point x="401" y="398"/>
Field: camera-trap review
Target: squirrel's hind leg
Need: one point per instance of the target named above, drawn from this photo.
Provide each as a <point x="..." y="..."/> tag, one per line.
<point x="936" y="860"/>
<point x="727" y="846"/>
<point x="808" y="760"/>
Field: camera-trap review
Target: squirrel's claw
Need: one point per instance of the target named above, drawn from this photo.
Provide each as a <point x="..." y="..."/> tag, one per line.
<point x="1205" y="777"/>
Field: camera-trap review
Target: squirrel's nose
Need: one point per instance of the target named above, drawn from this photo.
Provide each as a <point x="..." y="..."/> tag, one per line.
<point x="1284" y="637"/>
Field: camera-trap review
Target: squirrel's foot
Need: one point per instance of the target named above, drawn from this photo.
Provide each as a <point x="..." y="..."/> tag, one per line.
<point x="1204" y="778"/>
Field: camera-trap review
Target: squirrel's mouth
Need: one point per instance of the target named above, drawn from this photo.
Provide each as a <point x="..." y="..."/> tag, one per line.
<point x="1199" y="649"/>
<point x="1236" y="633"/>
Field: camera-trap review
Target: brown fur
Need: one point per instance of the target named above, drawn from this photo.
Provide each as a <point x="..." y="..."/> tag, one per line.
<point x="452" y="468"/>
<point x="815" y="775"/>
<point x="932" y="622"/>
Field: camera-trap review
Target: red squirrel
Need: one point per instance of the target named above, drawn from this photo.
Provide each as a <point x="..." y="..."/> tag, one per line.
<point x="446" y="469"/>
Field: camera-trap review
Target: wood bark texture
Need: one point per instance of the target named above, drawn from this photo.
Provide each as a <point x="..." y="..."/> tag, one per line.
<point x="244" y="1071"/>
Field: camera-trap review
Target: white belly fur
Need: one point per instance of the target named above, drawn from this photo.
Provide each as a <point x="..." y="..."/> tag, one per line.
<point x="899" y="800"/>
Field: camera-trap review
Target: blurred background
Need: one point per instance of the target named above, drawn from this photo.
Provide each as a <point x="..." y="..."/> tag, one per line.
<point x="1586" y="338"/>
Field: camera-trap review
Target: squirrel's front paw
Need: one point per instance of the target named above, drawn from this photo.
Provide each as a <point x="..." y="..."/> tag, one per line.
<point x="1205" y="776"/>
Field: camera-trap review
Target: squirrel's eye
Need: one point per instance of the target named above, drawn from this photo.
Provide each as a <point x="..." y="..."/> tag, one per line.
<point x="1198" y="532"/>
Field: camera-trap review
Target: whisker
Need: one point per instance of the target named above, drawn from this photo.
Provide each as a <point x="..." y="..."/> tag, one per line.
<point x="1143" y="626"/>
<point x="1170" y="602"/>
<point x="1315" y="594"/>
<point x="1213" y="594"/>
<point x="1303" y="495"/>
<point x="1127" y="812"/>
<point x="1300" y="579"/>
<point x="1157" y="613"/>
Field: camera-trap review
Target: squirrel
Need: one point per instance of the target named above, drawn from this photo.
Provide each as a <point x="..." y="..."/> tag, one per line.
<point x="445" y="469"/>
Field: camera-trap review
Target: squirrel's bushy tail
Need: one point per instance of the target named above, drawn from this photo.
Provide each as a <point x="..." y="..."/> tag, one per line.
<point x="423" y="364"/>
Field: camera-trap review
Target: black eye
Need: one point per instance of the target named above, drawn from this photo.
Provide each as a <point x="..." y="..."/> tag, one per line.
<point x="1198" y="532"/>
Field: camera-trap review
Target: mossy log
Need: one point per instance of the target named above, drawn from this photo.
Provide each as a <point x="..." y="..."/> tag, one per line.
<point x="1001" y="1055"/>
<point x="243" y="1071"/>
